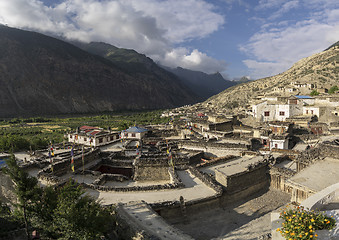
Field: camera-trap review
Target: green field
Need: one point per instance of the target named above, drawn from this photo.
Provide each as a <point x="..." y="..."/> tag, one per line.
<point x="36" y="133"/>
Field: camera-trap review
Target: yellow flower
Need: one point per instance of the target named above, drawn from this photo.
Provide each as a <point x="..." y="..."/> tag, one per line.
<point x="311" y="236"/>
<point x="292" y="234"/>
<point x="312" y="220"/>
<point x="278" y="229"/>
<point x="310" y="227"/>
<point x="316" y="235"/>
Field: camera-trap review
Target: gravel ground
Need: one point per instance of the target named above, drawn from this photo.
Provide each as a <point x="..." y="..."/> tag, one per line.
<point x="247" y="219"/>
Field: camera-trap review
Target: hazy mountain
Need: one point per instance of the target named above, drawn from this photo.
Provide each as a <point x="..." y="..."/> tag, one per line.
<point x="44" y="75"/>
<point x="203" y="84"/>
<point x="320" y="69"/>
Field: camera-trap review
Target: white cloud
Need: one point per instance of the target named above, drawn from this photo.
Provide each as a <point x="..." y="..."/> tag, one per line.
<point x="152" y="27"/>
<point x="275" y="48"/>
<point x="194" y="60"/>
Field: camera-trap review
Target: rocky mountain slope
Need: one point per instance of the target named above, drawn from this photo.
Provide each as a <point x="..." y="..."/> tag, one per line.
<point x="43" y="75"/>
<point x="202" y="84"/>
<point x="321" y="69"/>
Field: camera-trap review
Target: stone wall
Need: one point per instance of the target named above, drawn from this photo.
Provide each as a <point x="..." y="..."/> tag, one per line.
<point x="329" y="150"/>
<point x="245" y="179"/>
<point x="278" y="178"/>
<point x="151" y="173"/>
<point x="64" y="166"/>
<point x="216" y="161"/>
<point x="6" y="188"/>
<point x="206" y="179"/>
<point x="175" y="182"/>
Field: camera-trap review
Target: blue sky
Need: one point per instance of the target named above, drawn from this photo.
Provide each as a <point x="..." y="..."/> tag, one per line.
<point x="255" y="38"/>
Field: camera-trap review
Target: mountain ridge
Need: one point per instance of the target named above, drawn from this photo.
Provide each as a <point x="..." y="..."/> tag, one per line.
<point x="320" y="69"/>
<point x="43" y="75"/>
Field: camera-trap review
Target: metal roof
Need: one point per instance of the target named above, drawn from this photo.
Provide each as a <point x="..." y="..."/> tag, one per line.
<point x="303" y="97"/>
<point x="136" y="130"/>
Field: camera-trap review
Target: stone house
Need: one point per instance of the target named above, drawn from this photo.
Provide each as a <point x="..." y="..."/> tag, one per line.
<point x="93" y="136"/>
<point x="134" y="133"/>
<point x="276" y="111"/>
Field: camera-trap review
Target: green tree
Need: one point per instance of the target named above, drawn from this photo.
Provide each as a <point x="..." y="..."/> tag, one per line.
<point x="58" y="213"/>
<point x="333" y="89"/>
<point x="66" y="213"/>
<point x="26" y="190"/>
<point x="314" y="93"/>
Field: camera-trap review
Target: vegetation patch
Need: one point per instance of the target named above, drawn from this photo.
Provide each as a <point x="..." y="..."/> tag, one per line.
<point x="301" y="224"/>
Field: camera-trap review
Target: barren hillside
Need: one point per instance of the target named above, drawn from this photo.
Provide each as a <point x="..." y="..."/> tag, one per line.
<point x="321" y="69"/>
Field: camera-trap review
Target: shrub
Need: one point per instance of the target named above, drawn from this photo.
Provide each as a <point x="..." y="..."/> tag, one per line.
<point x="333" y="89"/>
<point x="301" y="224"/>
<point x="314" y="93"/>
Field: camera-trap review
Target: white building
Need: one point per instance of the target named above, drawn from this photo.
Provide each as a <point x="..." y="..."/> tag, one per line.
<point x="92" y="136"/>
<point x="276" y="111"/>
<point x="134" y="133"/>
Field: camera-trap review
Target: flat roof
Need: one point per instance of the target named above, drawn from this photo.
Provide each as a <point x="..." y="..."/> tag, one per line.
<point x="146" y="218"/>
<point x="232" y="167"/>
<point x="319" y="175"/>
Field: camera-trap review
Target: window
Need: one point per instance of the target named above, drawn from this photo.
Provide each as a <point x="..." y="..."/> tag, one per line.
<point x="282" y="113"/>
<point x="266" y="114"/>
<point x="312" y="112"/>
<point x="133" y="134"/>
<point x="100" y="140"/>
<point x="275" y="145"/>
<point x="85" y="139"/>
<point x="306" y="111"/>
<point x="111" y="138"/>
<point x="70" y="136"/>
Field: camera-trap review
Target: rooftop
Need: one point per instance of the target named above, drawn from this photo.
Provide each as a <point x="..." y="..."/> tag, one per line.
<point x="136" y="130"/>
<point x="318" y="176"/>
<point x="234" y="166"/>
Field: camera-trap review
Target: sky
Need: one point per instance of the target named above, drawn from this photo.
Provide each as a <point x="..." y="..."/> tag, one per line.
<point x="253" y="38"/>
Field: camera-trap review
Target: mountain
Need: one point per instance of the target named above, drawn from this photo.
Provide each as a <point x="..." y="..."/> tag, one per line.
<point x="202" y="84"/>
<point x="321" y="70"/>
<point x="42" y="75"/>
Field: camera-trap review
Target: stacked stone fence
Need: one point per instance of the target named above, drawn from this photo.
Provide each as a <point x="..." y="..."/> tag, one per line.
<point x="203" y="144"/>
<point x="64" y="166"/>
<point x="161" y="161"/>
<point x="329" y="149"/>
<point x="206" y="179"/>
<point x="103" y="178"/>
<point x="215" y="161"/>
<point x="117" y="162"/>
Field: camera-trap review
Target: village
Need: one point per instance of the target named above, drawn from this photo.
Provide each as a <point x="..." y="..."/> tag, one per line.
<point x="205" y="166"/>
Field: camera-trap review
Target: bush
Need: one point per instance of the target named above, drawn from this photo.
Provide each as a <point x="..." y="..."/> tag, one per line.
<point x="333" y="89"/>
<point x="314" y="93"/>
<point x="301" y="224"/>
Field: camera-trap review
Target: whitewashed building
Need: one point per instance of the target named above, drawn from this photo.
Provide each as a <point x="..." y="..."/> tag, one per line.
<point x="93" y="136"/>
<point x="276" y="111"/>
<point x="134" y="133"/>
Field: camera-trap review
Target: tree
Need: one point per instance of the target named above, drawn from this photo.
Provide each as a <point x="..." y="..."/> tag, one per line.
<point x="66" y="213"/>
<point x="26" y="190"/>
<point x="58" y="213"/>
<point x="314" y="93"/>
<point x="333" y="89"/>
